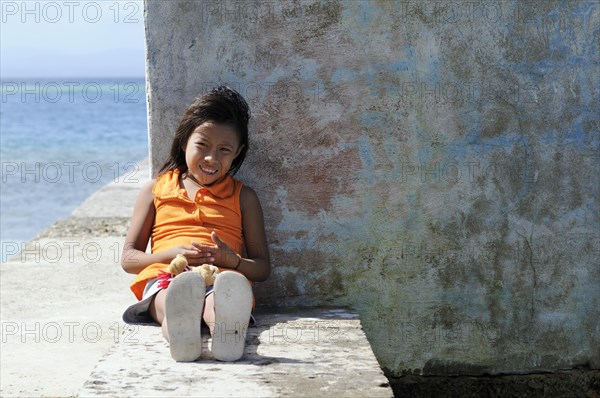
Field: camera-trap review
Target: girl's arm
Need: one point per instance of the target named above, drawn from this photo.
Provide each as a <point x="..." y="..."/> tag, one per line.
<point x="135" y="258"/>
<point x="257" y="265"/>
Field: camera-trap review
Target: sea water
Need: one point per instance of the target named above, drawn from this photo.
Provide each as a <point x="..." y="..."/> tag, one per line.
<point x="60" y="141"/>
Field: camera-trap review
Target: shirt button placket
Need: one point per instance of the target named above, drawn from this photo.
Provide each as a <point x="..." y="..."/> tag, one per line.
<point x="201" y="192"/>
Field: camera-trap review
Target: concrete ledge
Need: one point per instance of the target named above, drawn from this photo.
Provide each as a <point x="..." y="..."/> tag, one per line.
<point x="62" y="297"/>
<point x="291" y="352"/>
<point x="59" y="318"/>
<point x="116" y="199"/>
<point x="61" y="304"/>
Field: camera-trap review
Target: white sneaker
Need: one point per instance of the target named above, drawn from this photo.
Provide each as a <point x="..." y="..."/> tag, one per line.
<point x="183" y="310"/>
<point x="233" y="305"/>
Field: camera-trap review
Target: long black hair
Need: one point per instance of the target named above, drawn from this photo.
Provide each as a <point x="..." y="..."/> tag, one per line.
<point x="222" y="105"/>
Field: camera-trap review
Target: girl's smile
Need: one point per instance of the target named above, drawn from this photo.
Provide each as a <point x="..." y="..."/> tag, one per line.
<point x="210" y="151"/>
<point x="208" y="170"/>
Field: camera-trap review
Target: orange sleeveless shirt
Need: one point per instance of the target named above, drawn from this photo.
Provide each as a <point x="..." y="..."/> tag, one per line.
<point x="180" y="220"/>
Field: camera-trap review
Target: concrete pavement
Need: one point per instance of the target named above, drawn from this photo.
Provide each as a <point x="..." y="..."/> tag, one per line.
<point x="62" y="334"/>
<point x="62" y="297"/>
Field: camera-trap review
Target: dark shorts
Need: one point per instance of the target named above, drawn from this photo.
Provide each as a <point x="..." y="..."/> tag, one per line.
<point x="139" y="313"/>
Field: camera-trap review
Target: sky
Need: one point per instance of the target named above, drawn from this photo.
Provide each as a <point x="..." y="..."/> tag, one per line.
<point x="48" y="39"/>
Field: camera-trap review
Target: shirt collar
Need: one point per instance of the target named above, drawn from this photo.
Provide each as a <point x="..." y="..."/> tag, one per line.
<point x="221" y="189"/>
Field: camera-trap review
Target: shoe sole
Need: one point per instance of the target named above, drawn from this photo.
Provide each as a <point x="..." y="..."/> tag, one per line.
<point x="233" y="306"/>
<point x="183" y="310"/>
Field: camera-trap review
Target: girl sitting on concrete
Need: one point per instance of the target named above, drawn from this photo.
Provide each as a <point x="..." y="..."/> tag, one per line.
<point x="196" y="208"/>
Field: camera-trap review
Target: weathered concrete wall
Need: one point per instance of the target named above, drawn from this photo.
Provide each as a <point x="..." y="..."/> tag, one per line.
<point x="433" y="164"/>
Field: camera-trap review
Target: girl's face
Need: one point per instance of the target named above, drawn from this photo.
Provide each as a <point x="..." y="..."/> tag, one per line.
<point x="210" y="150"/>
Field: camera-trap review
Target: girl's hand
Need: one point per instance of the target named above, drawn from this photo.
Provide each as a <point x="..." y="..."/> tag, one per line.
<point x="222" y="255"/>
<point x="193" y="255"/>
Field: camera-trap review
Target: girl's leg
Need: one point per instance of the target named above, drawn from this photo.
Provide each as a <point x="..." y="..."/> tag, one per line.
<point x="232" y="307"/>
<point x="181" y="304"/>
<point x="209" y="312"/>
<point x="157" y="311"/>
